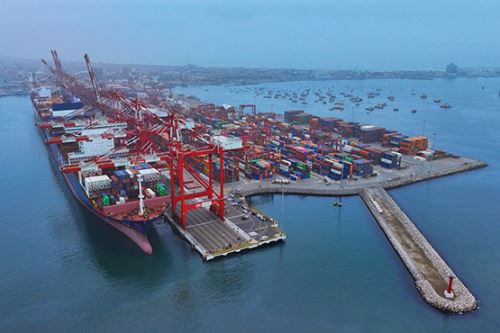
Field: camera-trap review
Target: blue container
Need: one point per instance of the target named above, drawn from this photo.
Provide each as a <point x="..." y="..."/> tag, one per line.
<point x="323" y="172"/>
<point x="333" y="176"/>
<point x="386" y="165"/>
<point x="284" y="173"/>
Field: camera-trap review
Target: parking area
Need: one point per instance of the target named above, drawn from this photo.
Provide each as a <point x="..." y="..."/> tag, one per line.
<point x="257" y="225"/>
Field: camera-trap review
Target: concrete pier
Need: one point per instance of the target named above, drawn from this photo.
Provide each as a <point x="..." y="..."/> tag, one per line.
<point x="413" y="173"/>
<point x="429" y="270"/>
<point x="242" y="229"/>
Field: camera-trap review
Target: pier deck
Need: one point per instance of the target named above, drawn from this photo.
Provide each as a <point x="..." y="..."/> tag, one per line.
<point x="242" y="229"/>
<point x="429" y="270"/>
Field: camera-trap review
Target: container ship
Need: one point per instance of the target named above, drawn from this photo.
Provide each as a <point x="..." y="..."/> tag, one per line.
<point x="94" y="155"/>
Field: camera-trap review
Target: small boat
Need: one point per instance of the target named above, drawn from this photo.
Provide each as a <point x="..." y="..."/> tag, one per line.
<point x="437" y="101"/>
<point x="445" y="106"/>
<point x="413" y="111"/>
<point x="370" y="108"/>
<point x="337" y="204"/>
<point x="395" y="110"/>
<point x="423" y="96"/>
<point x="391" y="98"/>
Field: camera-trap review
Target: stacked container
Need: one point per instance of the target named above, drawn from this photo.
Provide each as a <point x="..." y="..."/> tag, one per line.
<point x="391" y="160"/>
<point x="370" y="133"/>
<point x="410" y="146"/>
<point x="363" y="168"/>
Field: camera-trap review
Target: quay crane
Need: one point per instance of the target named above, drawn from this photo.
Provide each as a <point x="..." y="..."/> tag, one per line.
<point x="139" y="143"/>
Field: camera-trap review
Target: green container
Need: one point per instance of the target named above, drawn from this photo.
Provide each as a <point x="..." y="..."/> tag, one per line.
<point x="105" y="200"/>
<point x="301" y="165"/>
<point x="161" y="189"/>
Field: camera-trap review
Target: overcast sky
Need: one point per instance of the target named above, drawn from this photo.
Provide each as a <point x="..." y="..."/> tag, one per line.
<point x="358" y="34"/>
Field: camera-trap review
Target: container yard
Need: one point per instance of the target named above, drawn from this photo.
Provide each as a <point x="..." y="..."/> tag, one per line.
<point x="137" y="159"/>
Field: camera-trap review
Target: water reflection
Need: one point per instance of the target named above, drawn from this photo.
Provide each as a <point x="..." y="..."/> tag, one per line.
<point x="227" y="278"/>
<point x="111" y="252"/>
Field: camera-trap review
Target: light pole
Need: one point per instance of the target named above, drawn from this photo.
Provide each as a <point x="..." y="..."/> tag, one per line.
<point x="355" y="107"/>
<point x="282" y="206"/>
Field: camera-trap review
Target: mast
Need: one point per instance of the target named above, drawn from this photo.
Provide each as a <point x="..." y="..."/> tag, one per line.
<point x="93" y="79"/>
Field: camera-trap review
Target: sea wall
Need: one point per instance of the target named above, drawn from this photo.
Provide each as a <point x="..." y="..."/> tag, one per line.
<point x="463" y="300"/>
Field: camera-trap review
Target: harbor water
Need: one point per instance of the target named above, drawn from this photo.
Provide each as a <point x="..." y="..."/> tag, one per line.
<point x="63" y="269"/>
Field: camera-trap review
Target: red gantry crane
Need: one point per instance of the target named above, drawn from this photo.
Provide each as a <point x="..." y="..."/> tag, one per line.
<point x="143" y="129"/>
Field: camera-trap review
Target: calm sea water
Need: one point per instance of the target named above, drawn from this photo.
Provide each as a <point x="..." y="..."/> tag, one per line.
<point x="62" y="269"/>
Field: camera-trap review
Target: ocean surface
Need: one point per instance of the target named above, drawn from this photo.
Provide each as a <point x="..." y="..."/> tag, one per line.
<point x="61" y="269"/>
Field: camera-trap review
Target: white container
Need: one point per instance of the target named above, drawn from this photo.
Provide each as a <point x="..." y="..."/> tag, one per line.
<point x="150" y="174"/>
<point x="347" y="148"/>
<point x="338" y="172"/>
<point x="150" y="193"/>
<point x="286" y="162"/>
<point x="338" y="165"/>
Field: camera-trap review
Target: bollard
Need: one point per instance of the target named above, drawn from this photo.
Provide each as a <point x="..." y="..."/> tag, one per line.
<point x="449" y="292"/>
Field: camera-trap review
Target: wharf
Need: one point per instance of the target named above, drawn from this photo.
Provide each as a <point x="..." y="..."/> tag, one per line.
<point x="242" y="229"/>
<point x="414" y="171"/>
<point x="429" y="270"/>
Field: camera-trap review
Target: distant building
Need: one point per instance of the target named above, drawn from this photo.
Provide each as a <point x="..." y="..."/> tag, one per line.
<point x="452" y="69"/>
<point x="99" y="74"/>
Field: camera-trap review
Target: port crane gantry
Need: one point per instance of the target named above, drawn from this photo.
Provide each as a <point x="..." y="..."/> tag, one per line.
<point x="143" y="129"/>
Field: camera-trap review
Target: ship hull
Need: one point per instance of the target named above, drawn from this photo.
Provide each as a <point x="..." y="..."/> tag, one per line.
<point x="135" y="231"/>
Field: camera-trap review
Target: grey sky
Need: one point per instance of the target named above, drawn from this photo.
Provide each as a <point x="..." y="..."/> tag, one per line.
<point x="362" y="34"/>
